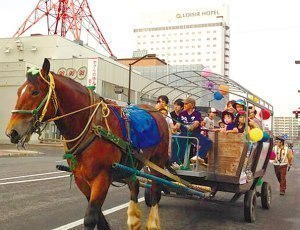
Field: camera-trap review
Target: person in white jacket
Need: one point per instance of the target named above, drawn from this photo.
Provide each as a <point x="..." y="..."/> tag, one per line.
<point x="283" y="160"/>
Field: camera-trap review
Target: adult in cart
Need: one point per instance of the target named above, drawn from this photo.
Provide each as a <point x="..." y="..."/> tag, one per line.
<point x="283" y="160"/>
<point x="189" y="124"/>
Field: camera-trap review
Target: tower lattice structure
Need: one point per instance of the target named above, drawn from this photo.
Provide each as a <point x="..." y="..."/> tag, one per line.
<point x="65" y="17"/>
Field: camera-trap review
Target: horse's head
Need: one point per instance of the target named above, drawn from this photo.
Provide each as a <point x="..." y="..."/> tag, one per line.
<point x="36" y="103"/>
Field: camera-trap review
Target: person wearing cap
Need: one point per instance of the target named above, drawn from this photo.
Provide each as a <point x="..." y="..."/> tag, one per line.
<point x="283" y="160"/>
<point x="239" y="105"/>
<point x="189" y="124"/>
<point x="228" y="120"/>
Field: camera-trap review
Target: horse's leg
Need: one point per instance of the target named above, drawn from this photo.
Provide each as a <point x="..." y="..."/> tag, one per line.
<point x="134" y="213"/>
<point x="153" y="221"/>
<point x="94" y="215"/>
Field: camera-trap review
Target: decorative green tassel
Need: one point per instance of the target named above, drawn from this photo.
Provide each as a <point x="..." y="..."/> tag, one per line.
<point x="73" y="163"/>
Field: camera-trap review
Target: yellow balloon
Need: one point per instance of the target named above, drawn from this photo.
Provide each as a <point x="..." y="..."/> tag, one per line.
<point x="250" y="97"/>
<point x="224" y="89"/>
<point x="255" y="99"/>
<point x="256" y="134"/>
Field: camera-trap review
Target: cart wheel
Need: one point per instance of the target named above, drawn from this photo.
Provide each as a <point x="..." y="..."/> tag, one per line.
<point x="266" y="195"/>
<point x="250" y="206"/>
<point x="148" y="196"/>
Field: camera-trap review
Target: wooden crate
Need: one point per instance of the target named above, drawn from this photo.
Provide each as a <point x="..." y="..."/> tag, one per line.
<point x="228" y="150"/>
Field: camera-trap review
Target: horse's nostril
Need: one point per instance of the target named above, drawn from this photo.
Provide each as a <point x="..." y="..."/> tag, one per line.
<point x="14" y="136"/>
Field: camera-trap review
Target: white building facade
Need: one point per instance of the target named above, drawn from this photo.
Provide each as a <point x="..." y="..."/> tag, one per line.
<point x="286" y="126"/>
<point x="197" y="36"/>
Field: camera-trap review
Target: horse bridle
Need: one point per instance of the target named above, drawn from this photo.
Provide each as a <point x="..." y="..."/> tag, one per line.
<point x="44" y="104"/>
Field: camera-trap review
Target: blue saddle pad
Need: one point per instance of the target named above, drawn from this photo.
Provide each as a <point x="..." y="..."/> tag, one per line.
<point x="143" y="128"/>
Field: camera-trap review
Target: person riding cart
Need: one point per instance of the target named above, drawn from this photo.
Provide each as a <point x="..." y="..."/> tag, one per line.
<point x="189" y="124"/>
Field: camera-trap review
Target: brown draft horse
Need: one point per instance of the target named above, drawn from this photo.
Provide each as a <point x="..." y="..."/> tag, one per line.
<point x="95" y="155"/>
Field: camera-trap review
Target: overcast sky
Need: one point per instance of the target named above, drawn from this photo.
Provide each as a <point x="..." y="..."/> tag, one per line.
<point x="265" y="38"/>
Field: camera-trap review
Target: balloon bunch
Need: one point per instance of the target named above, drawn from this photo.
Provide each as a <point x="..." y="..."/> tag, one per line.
<point x="257" y="134"/>
<point x="221" y="90"/>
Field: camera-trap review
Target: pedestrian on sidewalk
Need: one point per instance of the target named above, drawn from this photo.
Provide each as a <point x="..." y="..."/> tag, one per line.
<point x="283" y="160"/>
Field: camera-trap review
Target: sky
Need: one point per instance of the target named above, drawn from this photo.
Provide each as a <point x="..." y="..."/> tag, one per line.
<point x="265" y="38"/>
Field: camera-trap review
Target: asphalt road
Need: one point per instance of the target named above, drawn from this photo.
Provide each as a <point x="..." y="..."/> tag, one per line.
<point x="33" y="195"/>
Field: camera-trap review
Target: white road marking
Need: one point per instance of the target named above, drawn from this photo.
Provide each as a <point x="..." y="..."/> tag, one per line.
<point x="32" y="175"/>
<point x="60" y="161"/>
<point x="106" y="212"/>
<point x="41" y="179"/>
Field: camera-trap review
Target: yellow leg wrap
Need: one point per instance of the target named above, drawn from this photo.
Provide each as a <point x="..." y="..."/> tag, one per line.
<point x="134" y="216"/>
<point x="153" y="222"/>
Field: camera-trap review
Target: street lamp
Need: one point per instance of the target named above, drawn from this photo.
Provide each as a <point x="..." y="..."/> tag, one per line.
<point x="129" y="74"/>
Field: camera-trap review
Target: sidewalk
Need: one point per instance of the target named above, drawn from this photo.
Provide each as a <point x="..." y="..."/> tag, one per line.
<point x="18" y="153"/>
<point x="10" y="150"/>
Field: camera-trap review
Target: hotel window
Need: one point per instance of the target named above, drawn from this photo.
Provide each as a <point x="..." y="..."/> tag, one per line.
<point x="187" y="47"/>
<point x="186" y="40"/>
<point x="181" y="47"/>
<point x="186" y="53"/>
<point x="180" y="60"/>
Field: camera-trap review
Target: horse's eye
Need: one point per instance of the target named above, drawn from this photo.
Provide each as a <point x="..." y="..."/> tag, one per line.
<point x="35" y="92"/>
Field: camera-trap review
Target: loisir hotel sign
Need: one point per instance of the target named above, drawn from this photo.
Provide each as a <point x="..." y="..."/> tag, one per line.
<point x="205" y="13"/>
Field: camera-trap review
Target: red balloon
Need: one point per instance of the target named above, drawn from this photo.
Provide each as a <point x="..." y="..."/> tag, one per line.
<point x="264" y="114"/>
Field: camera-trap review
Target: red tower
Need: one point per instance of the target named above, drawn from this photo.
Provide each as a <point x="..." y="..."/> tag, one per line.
<point x="65" y="17"/>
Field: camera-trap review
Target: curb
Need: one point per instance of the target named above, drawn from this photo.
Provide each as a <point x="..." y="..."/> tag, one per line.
<point x="19" y="153"/>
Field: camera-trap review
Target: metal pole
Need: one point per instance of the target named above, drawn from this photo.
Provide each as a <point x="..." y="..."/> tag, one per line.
<point x="129" y="85"/>
<point x="159" y="180"/>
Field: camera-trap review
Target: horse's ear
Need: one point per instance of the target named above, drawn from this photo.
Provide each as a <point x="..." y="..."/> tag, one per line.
<point x="46" y="67"/>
